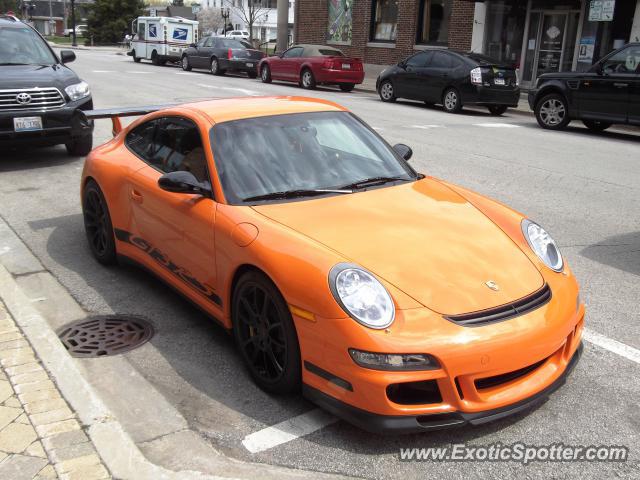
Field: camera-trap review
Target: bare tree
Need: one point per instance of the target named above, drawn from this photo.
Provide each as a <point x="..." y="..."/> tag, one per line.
<point x="249" y="11"/>
<point x="210" y="20"/>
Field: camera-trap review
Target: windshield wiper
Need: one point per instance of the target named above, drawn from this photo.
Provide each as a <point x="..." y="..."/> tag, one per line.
<point x="14" y="63"/>
<point x="294" y="194"/>
<point x="369" y="182"/>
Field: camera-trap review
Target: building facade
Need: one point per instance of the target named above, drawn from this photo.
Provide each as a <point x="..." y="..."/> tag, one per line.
<point x="536" y="36"/>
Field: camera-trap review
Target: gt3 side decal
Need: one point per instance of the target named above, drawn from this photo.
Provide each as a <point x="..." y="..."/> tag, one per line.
<point x="163" y="260"/>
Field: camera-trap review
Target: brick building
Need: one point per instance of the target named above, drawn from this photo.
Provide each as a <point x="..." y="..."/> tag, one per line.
<point x="385" y="31"/>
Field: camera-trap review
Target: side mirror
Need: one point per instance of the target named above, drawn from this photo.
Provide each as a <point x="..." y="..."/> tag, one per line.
<point x="402" y="65"/>
<point x="403" y="150"/>
<point x="183" y="182"/>
<point x="67" y="56"/>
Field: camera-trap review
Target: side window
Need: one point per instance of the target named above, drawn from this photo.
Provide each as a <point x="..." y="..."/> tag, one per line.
<point x="625" y="61"/>
<point x="179" y="148"/>
<point x="142" y="27"/>
<point x="140" y="140"/>
<point x="201" y="42"/>
<point x="419" y="60"/>
<point x="208" y="42"/>
<point x="293" y="52"/>
<point x="441" y="60"/>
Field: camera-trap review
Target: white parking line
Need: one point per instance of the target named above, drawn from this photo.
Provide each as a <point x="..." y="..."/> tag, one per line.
<point x="426" y="127"/>
<point x="102" y="71"/>
<point x="496" y="125"/>
<point x="288" y="430"/>
<point x="137" y="71"/>
<point x="614" y="346"/>
<point x="241" y="90"/>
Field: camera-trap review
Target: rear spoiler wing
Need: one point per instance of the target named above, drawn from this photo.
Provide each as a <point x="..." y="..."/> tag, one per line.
<point x="115" y="113"/>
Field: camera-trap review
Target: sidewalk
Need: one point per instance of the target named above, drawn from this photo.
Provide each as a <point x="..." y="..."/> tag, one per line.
<point x="40" y="436"/>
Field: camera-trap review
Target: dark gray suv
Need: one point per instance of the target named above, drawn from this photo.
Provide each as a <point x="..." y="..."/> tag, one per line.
<point x="40" y="96"/>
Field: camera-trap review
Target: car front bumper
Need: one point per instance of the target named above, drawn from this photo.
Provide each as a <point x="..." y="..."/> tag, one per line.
<point x="481" y="95"/>
<point x="404" y="424"/>
<point x="485" y="371"/>
<point x="59" y="126"/>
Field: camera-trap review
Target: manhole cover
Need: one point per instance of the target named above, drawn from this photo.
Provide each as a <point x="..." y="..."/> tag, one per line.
<point x="107" y="335"/>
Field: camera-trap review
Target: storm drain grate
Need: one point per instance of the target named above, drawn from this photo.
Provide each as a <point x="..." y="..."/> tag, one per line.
<point x="105" y="335"/>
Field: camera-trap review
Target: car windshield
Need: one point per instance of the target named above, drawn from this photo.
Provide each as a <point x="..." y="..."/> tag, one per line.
<point x="22" y="46"/>
<point x="232" y="44"/>
<point x="483" y="59"/>
<point x="301" y="152"/>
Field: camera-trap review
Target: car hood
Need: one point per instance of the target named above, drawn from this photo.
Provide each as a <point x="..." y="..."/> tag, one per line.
<point x="421" y="237"/>
<point x="32" y="76"/>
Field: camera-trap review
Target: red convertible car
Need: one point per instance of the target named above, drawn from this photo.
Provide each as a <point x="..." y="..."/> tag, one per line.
<point x="310" y="65"/>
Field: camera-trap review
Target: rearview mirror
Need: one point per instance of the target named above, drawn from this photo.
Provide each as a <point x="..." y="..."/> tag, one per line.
<point x="403" y="150"/>
<point x="183" y="182"/>
<point x="67" y="56"/>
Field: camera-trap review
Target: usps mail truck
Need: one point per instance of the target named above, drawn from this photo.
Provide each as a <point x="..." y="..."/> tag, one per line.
<point x="162" y="39"/>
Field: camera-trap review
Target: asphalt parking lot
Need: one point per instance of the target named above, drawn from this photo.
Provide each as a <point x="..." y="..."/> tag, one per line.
<point x="583" y="187"/>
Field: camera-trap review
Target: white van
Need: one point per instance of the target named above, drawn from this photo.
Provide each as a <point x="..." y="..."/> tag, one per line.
<point x="162" y="38"/>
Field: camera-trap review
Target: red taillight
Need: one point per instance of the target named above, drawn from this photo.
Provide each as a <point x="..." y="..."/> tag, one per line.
<point x="230" y="54"/>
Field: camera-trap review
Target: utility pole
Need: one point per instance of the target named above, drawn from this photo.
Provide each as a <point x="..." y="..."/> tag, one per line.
<point x="225" y="13"/>
<point x="283" y="25"/>
<point x="73" y="24"/>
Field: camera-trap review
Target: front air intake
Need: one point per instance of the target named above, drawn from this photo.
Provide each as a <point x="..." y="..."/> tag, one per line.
<point x="503" y="312"/>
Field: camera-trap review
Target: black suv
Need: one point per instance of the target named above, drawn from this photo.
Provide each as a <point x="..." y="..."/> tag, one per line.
<point x="608" y="93"/>
<point x="39" y="96"/>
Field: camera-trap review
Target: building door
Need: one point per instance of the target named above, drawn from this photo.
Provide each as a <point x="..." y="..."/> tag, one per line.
<point x="550" y="43"/>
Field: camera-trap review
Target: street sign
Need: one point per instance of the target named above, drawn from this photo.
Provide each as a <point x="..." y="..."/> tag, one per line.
<point x="601" y="10"/>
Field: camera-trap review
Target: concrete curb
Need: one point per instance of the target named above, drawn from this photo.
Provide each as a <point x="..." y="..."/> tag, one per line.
<point x="118" y="451"/>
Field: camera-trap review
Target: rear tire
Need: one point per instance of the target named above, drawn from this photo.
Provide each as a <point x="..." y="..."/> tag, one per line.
<point x="596" y="125"/>
<point x="214" y="67"/>
<point x="265" y="334"/>
<point x="265" y="74"/>
<point x="552" y="112"/>
<point x="80" y="147"/>
<point x="155" y="59"/>
<point x="347" y="87"/>
<point x="307" y="80"/>
<point x="97" y="224"/>
<point x="387" y="92"/>
<point x="451" y="101"/>
<point x="497" y="110"/>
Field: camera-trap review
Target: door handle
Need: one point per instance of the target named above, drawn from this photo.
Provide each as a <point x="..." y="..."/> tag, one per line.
<point x="620" y="85"/>
<point x="136" y="196"/>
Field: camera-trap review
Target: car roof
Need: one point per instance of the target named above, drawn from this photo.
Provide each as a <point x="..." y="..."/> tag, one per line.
<point x="8" y="21"/>
<point x="229" y="109"/>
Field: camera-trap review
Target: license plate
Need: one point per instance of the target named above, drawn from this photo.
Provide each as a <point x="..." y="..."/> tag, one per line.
<point x="346" y="66"/>
<point x="498" y="81"/>
<point x="26" y="124"/>
<point x="249" y="64"/>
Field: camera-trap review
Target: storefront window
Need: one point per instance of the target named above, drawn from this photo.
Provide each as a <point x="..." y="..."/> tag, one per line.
<point x="433" y="22"/>
<point x="384" y="20"/>
<point x="504" y="30"/>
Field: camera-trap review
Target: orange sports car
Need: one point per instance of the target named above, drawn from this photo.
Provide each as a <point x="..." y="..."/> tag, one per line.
<point x="395" y="300"/>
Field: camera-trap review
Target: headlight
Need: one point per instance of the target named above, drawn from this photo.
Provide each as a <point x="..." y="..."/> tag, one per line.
<point x="78" y="91"/>
<point x="362" y="296"/>
<point x="543" y="245"/>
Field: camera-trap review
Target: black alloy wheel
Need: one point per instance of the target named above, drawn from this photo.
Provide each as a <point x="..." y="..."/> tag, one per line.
<point x="97" y="224"/>
<point x="265" y="334"/>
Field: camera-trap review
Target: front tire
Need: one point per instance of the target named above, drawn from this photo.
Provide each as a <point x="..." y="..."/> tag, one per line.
<point x="552" y="112"/>
<point x="186" y="66"/>
<point x="497" y="110"/>
<point x="97" y="224"/>
<point x="265" y="74"/>
<point x="133" y="55"/>
<point x="451" y="101"/>
<point x="80" y="147"/>
<point x="265" y="334"/>
<point x="307" y="80"/>
<point x="347" y="87"/>
<point x="596" y="125"/>
<point x="387" y="92"/>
